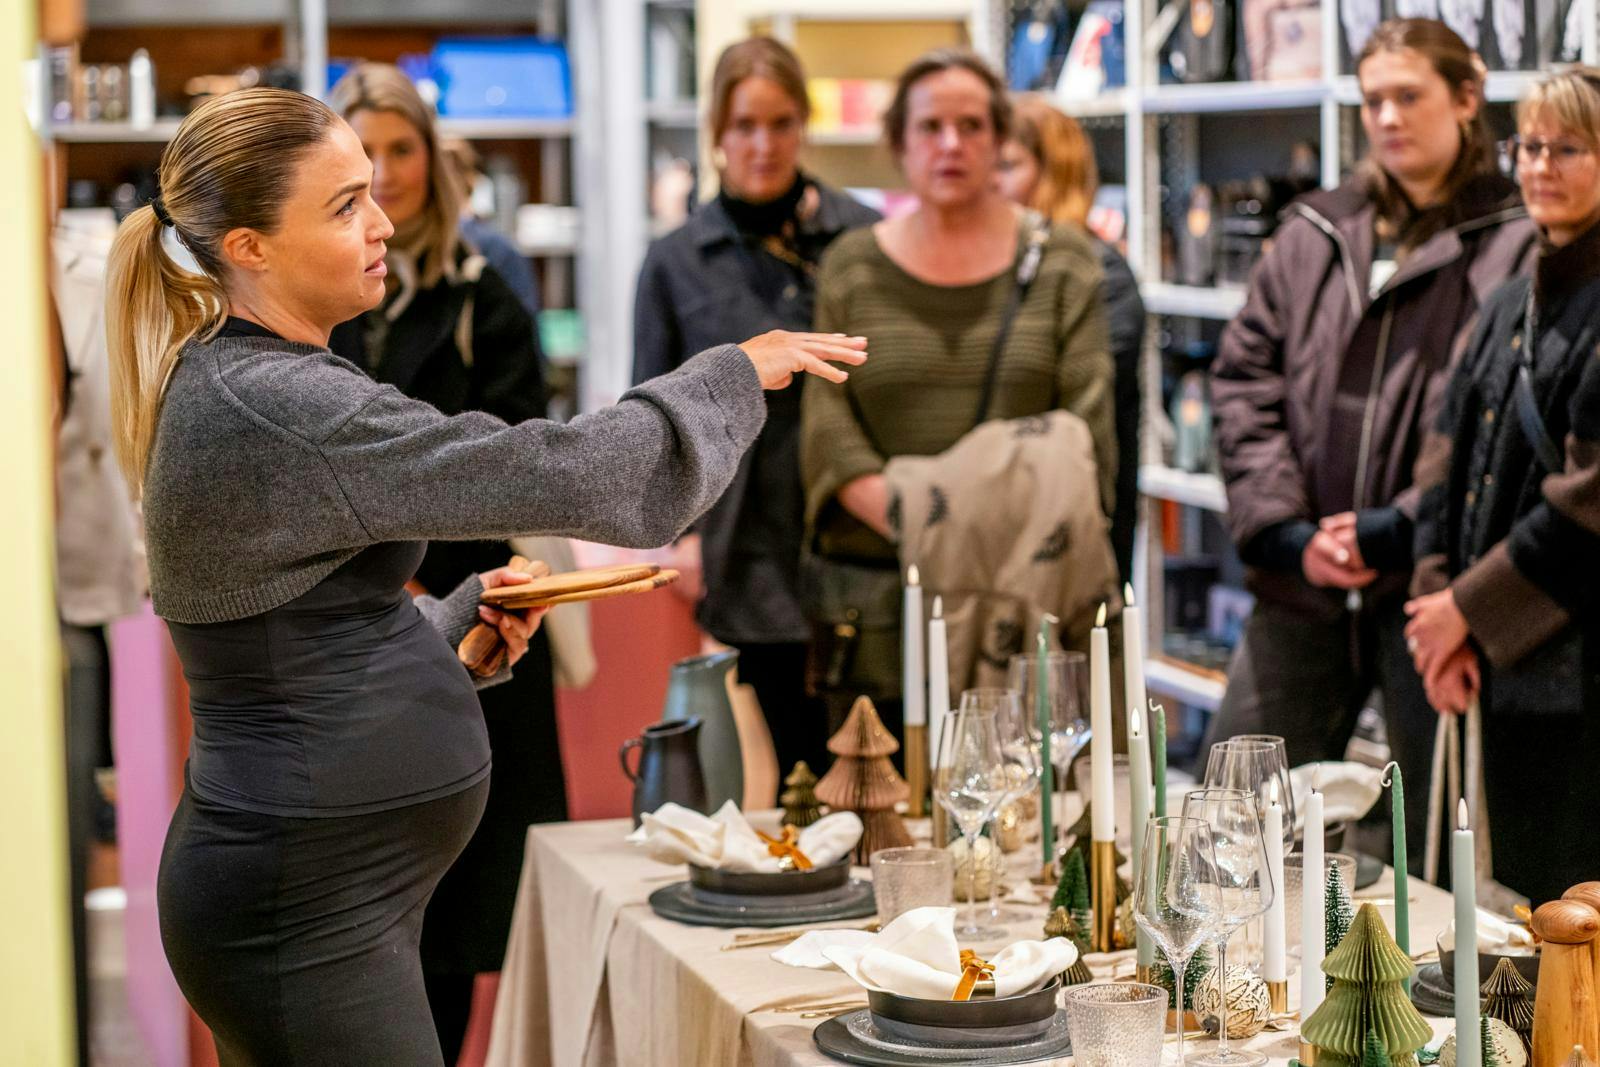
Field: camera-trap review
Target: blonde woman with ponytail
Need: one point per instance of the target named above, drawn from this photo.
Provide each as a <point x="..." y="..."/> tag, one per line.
<point x="339" y="760"/>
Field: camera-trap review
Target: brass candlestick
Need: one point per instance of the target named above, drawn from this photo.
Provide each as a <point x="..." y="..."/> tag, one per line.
<point x="917" y="770"/>
<point x="1278" y="997"/>
<point x="1103" y="896"/>
<point x="1308" y="1055"/>
<point x="1144" y="974"/>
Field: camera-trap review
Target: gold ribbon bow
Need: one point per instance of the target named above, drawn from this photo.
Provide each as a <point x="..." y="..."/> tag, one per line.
<point x="785" y="847"/>
<point x="973" y="970"/>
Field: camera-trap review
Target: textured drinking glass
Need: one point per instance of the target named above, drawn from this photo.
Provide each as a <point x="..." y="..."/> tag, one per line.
<point x="907" y="878"/>
<point x="1116" y="1024"/>
<point x="1294" y="888"/>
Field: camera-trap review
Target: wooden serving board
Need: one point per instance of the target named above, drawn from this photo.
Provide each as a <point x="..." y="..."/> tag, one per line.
<point x="642" y="585"/>
<point x="542" y="589"/>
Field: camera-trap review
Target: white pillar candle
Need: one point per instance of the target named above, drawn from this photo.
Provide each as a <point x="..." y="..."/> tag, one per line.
<point x="1464" y="884"/>
<point x="938" y="678"/>
<point x="912" y="671"/>
<point x="1139" y="793"/>
<point x="1104" y="823"/>
<point x="1313" y="924"/>
<point x="1274" y="967"/>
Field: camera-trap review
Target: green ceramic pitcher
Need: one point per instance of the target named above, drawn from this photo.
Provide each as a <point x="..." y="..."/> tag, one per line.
<point x="698" y="687"/>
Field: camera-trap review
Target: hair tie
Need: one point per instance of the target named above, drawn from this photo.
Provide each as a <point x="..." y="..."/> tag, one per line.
<point x="161" y="212"/>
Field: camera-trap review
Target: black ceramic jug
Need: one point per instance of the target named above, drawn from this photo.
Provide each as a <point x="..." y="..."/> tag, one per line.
<point x="669" y="767"/>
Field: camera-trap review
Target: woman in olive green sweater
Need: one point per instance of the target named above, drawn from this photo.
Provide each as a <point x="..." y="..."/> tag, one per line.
<point x="931" y="288"/>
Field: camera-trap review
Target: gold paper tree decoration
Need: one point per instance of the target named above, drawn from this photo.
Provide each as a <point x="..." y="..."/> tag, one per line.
<point x="1508" y="998"/>
<point x="800" y="806"/>
<point x="863" y="780"/>
<point x="1061" y="924"/>
<point x="1368" y="969"/>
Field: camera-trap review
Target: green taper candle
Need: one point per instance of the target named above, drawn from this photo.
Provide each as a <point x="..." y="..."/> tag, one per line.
<point x="1047" y="776"/>
<point x="1158" y="755"/>
<point x="1402" y="906"/>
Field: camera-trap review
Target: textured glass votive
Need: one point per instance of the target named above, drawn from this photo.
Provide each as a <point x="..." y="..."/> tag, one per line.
<point x="1116" y="1024"/>
<point x="1293" y="891"/>
<point x="907" y="878"/>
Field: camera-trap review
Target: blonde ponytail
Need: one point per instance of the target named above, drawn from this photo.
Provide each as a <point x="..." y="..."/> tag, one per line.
<point x="153" y="308"/>
<point x="231" y="165"/>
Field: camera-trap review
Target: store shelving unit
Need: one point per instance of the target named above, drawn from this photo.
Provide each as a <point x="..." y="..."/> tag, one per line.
<point x="1162" y="126"/>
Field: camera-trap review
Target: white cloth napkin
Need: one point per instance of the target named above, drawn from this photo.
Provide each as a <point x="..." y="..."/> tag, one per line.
<point x="917" y="956"/>
<point x="1348" y="790"/>
<point x="675" y="834"/>
<point x="1495" y="935"/>
<point x="807" y="949"/>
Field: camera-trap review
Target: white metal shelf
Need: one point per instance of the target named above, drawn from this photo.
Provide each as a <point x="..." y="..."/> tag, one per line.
<point x="846" y="136"/>
<point x="1111" y="104"/>
<point x="549" y="250"/>
<point x="1190" y="686"/>
<point x="1164" y="298"/>
<point x="1197" y="490"/>
<point x="673" y="114"/>
<point x="856" y="11"/>
<point x="1234" y="96"/>
<point x="1500" y="87"/>
<point x="160" y="132"/>
<point x="505" y="129"/>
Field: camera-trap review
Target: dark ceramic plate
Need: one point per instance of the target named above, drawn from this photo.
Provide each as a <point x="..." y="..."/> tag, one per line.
<point x="753" y="884"/>
<point x="979" y="1022"/>
<point x="683" y="903"/>
<point x="1527" y="966"/>
<point x="1368" y="870"/>
<point x="1430" y="994"/>
<point x="856" y="1038"/>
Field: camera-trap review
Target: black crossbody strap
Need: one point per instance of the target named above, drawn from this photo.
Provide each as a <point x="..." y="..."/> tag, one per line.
<point x="1028" y="258"/>
<point x="1528" y="417"/>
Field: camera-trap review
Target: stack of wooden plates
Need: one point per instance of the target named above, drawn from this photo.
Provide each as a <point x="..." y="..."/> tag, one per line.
<point x="594" y="584"/>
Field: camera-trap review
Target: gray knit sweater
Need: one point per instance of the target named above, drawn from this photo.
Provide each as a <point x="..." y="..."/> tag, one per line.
<point x="276" y="462"/>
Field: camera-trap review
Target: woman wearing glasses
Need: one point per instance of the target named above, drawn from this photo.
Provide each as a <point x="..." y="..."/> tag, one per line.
<point x="1508" y="547"/>
<point x="1324" y="384"/>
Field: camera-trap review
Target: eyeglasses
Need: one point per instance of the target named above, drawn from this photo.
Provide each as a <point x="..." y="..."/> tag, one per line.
<point x="1561" y="153"/>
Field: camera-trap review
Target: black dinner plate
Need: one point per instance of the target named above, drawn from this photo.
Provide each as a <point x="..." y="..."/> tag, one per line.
<point x="683" y="902"/>
<point x="853" y="1038"/>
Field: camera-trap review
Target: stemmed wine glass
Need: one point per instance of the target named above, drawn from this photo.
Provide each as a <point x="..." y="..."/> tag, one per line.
<point x="1171" y="903"/>
<point x="972" y="785"/>
<point x="1067" y="694"/>
<point x="1258" y="763"/>
<point x="1244" y="885"/>
<point x="1020" y="751"/>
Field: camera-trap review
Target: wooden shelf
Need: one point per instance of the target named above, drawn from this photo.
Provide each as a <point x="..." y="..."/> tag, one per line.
<point x="1192" y="684"/>
<point x="1163" y="298"/>
<point x="1196" y="490"/>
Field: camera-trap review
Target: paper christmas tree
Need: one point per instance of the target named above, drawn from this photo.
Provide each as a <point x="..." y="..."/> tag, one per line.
<point x="1509" y="998"/>
<point x="1368" y="969"/>
<point x="1372" y="1053"/>
<point x="863" y="780"/>
<point x="1072" y="891"/>
<point x="800" y="805"/>
<point x="1337" y="910"/>
<point x="1061" y="924"/>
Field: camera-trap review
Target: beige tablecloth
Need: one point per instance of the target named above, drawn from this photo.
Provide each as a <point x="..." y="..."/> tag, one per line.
<point x="593" y="977"/>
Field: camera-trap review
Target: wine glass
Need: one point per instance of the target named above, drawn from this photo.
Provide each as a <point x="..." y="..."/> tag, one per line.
<point x="1020" y="751"/>
<point x="1175" y="907"/>
<point x="1258" y="763"/>
<point x="1244" y="885"/>
<point x="972" y="785"/>
<point x="1067" y="694"/>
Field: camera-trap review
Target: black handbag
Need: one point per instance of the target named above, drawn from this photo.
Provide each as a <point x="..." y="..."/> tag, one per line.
<point x="854" y="604"/>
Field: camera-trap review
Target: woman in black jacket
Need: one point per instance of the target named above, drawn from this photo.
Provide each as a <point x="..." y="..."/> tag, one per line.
<point x="452" y="333"/>
<point x="747" y="261"/>
<point x="1508" y="545"/>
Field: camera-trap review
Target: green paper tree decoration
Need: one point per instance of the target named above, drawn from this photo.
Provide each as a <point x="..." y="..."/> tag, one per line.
<point x="1336" y="907"/>
<point x="1072" y="892"/>
<point x="1061" y="924"/>
<point x="1373" y="1055"/>
<point x="1368" y="969"/>
<point x="1509" y="997"/>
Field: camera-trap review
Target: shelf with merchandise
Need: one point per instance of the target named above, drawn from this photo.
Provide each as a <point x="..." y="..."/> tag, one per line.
<point x="1207" y="97"/>
<point x="1110" y="104"/>
<point x="1192" y="684"/>
<point x="1201" y="490"/>
<point x="1192" y="301"/>
<point x="673" y="114"/>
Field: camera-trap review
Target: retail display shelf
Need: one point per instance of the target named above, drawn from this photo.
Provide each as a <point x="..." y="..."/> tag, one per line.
<point x="673" y="114"/>
<point x="672" y="5"/>
<point x="1111" y="104"/>
<point x="505" y="129"/>
<point x="846" y="136"/>
<point x="548" y="250"/>
<point x="1500" y="87"/>
<point x="1193" y="685"/>
<point x="1234" y="96"/>
<point x="159" y="132"/>
<point x="869" y="11"/>
<point x="1163" y="298"/>
<point x="1182" y="487"/>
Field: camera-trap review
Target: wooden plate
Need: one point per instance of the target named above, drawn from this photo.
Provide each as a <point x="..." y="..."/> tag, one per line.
<point x="553" y="585"/>
<point x="524" y="601"/>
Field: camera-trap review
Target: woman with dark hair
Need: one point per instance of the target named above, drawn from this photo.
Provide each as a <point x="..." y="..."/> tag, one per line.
<point x="339" y="760"/>
<point x="1509" y="531"/>
<point x="1048" y="164"/>
<point x="450" y="332"/>
<point x="747" y="260"/>
<point x="1323" y="386"/>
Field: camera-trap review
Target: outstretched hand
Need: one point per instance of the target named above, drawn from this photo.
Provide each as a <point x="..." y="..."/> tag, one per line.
<point x="779" y="355"/>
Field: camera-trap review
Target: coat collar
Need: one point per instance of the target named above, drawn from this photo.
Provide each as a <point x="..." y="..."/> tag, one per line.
<point x="1561" y="271"/>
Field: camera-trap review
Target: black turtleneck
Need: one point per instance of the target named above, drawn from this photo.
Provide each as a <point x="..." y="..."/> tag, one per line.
<point x="1561" y="271"/>
<point x="764" y="219"/>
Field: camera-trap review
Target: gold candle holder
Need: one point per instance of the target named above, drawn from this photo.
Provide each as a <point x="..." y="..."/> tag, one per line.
<point x="1278" y="996"/>
<point x="917" y="770"/>
<point x="1308" y="1055"/>
<point x="1103" y="896"/>
<point x="1144" y="974"/>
